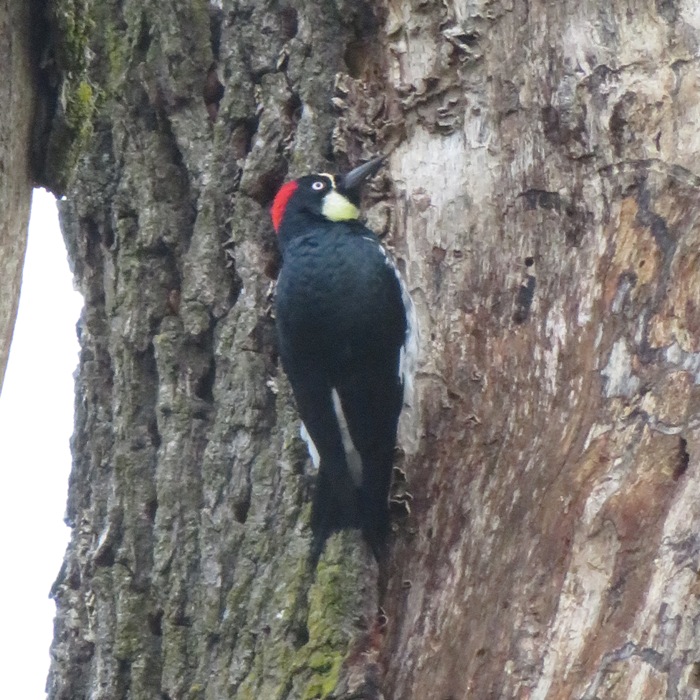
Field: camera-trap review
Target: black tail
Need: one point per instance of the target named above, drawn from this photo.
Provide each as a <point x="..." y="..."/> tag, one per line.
<point x="336" y="503"/>
<point x="336" y="498"/>
<point x="374" y="500"/>
<point x="371" y="398"/>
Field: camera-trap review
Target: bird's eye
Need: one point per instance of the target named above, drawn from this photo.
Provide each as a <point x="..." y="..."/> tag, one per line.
<point x="318" y="185"/>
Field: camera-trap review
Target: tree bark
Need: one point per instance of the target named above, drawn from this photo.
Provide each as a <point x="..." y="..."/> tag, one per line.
<point x="17" y="90"/>
<point x="541" y="197"/>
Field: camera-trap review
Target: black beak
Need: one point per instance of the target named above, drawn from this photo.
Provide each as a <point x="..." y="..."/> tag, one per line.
<point x="351" y="182"/>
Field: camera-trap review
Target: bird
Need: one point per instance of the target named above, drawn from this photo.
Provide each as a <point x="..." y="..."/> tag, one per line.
<point x="347" y="341"/>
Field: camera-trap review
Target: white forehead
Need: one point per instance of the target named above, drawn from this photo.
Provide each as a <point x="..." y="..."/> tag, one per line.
<point x="331" y="178"/>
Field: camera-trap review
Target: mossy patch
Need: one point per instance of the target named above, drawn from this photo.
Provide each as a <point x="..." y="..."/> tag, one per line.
<point x="326" y="671"/>
<point x="69" y="98"/>
<point x="331" y="597"/>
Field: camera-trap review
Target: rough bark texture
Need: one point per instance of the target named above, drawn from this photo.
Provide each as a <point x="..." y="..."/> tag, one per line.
<point x="17" y="89"/>
<point x="542" y="196"/>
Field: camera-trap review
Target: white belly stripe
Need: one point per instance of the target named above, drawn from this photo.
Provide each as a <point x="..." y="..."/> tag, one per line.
<point x="351" y="454"/>
<point x="408" y="357"/>
<point x="310" y="446"/>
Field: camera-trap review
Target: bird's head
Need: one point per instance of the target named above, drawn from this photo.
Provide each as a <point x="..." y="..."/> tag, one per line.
<point x="322" y="196"/>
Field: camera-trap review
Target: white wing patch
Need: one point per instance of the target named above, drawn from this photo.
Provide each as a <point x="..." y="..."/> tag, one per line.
<point x="408" y="357"/>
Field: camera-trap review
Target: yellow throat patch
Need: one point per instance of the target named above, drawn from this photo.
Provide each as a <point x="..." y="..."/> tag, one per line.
<point x="336" y="207"/>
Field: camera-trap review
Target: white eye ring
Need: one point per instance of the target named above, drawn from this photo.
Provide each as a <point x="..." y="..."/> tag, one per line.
<point x="318" y="185"/>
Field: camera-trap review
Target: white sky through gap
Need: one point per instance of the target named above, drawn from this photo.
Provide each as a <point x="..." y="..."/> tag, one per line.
<point x="36" y="421"/>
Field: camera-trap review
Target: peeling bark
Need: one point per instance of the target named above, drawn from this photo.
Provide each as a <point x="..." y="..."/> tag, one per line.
<point x="551" y="237"/>
<point x="541" y="197"/>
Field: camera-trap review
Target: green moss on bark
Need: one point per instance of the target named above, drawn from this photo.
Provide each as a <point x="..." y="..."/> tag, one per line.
<point x="322" y="656"/>
<point x="71" y="107"/>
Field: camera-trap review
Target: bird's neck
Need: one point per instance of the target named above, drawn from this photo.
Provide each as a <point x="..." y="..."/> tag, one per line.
<point x="300" y="223"/>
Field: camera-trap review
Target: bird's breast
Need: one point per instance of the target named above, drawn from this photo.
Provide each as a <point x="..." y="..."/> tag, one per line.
<point x="337" y="288"/>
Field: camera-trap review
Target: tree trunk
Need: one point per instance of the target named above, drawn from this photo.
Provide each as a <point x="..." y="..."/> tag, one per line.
<point x="17" y="91"/>
<point x="541" y="198"/>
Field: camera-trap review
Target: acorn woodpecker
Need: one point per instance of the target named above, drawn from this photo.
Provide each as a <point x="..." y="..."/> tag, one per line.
<point x="346" y="331"/>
